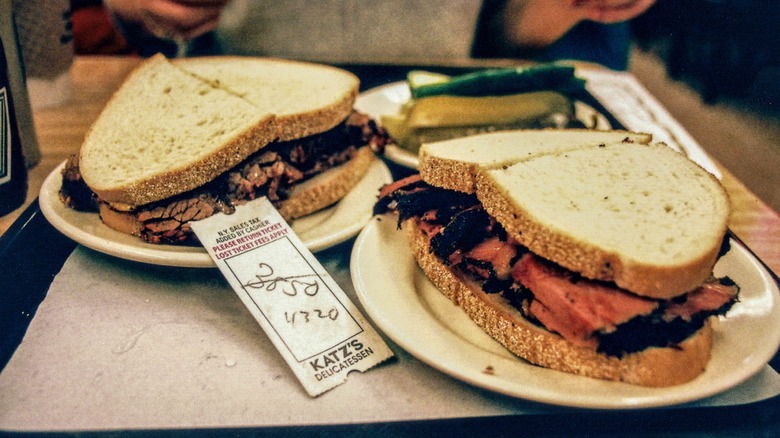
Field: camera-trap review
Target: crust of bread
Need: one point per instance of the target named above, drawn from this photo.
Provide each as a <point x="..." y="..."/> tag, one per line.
<point x="448" y="174"/>
<point x="328" y="187"/>
<point x="599" y="262"/>
<point x="195" y="173"/>
<point x="311" y="196"/>
<point x="122" y="221"/>
<point x="181" y="179"/>
<point x="289" y="126"/>
<point x="653" y="367"/>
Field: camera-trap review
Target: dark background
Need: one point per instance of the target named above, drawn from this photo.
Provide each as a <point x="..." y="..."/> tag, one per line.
<point x="727" y="50"/>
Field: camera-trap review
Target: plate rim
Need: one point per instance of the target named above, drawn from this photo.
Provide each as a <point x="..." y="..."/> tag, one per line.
<point x="644" y="397"/>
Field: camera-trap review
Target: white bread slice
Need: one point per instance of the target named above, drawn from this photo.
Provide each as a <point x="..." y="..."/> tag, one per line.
<point x="643" y="216"/>
<point x="453" y="164"/>
<point x="655" y="367"/>
<point x="166" y="130"/>
<point x="306" y="98"/>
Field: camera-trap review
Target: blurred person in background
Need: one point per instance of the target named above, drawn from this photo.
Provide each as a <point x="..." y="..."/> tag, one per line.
<point x="376" y="31"/>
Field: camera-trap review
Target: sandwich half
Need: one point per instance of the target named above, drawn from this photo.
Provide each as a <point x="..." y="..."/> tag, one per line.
<point x="593" y="258"/>
<point x="182" y="140"/>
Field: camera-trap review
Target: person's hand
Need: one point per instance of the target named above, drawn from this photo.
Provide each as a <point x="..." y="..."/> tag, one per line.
<point x="611" y="11"/>
<point x="170" y="19"/>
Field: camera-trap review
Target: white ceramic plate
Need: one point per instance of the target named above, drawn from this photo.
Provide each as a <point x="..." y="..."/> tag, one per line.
<point x="318" y="231"/>
<point x="387" y="99"/>
<point x="403" y="303"/>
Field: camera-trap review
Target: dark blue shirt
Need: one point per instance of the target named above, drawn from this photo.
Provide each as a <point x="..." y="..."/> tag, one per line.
<point x="605" y="44"/>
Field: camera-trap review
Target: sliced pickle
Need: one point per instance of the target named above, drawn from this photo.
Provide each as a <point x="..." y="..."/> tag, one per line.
<point x="414" y="137"/>
<point x="495" y="82"/>
<point x="396" y="126"/>
<point x="422" y="78"/>
<point x="439" y="111"/>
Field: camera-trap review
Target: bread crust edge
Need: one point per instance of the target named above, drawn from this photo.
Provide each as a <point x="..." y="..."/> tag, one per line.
<point x="448" y="174"/>
<point x="337" y="182"/>
<point x="591" y="261"/>
<point x="307" y="200"/>
<point x="453" y="174"/>
<point x="653" y="367"/>
<point x="252" y="139"/>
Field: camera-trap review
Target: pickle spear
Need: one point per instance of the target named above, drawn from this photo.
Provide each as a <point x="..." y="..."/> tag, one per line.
<point x="489" y="110"/>
<point x="496" y="82"/>
<point x="444" y="106"/>
<point x="443" y="117"/>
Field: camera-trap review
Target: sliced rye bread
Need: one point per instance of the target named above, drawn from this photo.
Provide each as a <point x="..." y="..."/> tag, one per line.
<point x="454" y="164"/>
<point x="328" y="187"/>
<point x="643" y="216"/>
<point x="168" y="130"/>
<point x="306" y="98"/>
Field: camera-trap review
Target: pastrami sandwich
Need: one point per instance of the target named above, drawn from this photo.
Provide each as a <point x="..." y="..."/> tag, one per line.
<point x="584" y="252"/>
<point x="182" y="140"/>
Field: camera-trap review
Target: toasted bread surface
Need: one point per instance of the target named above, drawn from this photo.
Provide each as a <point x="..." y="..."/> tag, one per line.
<point x="655" y="367"/>
<point x="643" y="216"/>
<point x="454" y="164"/>
<point x="167" y="130"/>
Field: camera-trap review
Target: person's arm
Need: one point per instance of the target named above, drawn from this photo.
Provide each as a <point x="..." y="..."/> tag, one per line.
<point x="169" y="19"/>
<point x="539" y="23"/>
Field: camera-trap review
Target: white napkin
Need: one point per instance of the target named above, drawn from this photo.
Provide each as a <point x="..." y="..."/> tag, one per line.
<point x="122" y="345"/>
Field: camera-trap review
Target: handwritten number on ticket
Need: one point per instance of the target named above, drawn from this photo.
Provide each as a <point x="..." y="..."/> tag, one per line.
<point x="308" y="317"/>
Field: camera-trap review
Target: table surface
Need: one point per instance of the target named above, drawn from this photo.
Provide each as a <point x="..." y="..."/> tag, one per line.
<point x="61" y="130"/>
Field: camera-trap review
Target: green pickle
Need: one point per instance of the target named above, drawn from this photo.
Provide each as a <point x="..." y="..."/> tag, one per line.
<point x="499" y="110"/>
<point x="496" y="82"/>
<point x="444" y="107"/>
<point x="443" y="117"/>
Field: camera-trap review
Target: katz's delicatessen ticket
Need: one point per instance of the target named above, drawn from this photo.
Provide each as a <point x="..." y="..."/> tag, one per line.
<point x="308" y="317"/>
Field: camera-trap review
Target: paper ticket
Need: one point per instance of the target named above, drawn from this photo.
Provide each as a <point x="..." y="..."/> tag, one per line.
<point x="308" y="317"/>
